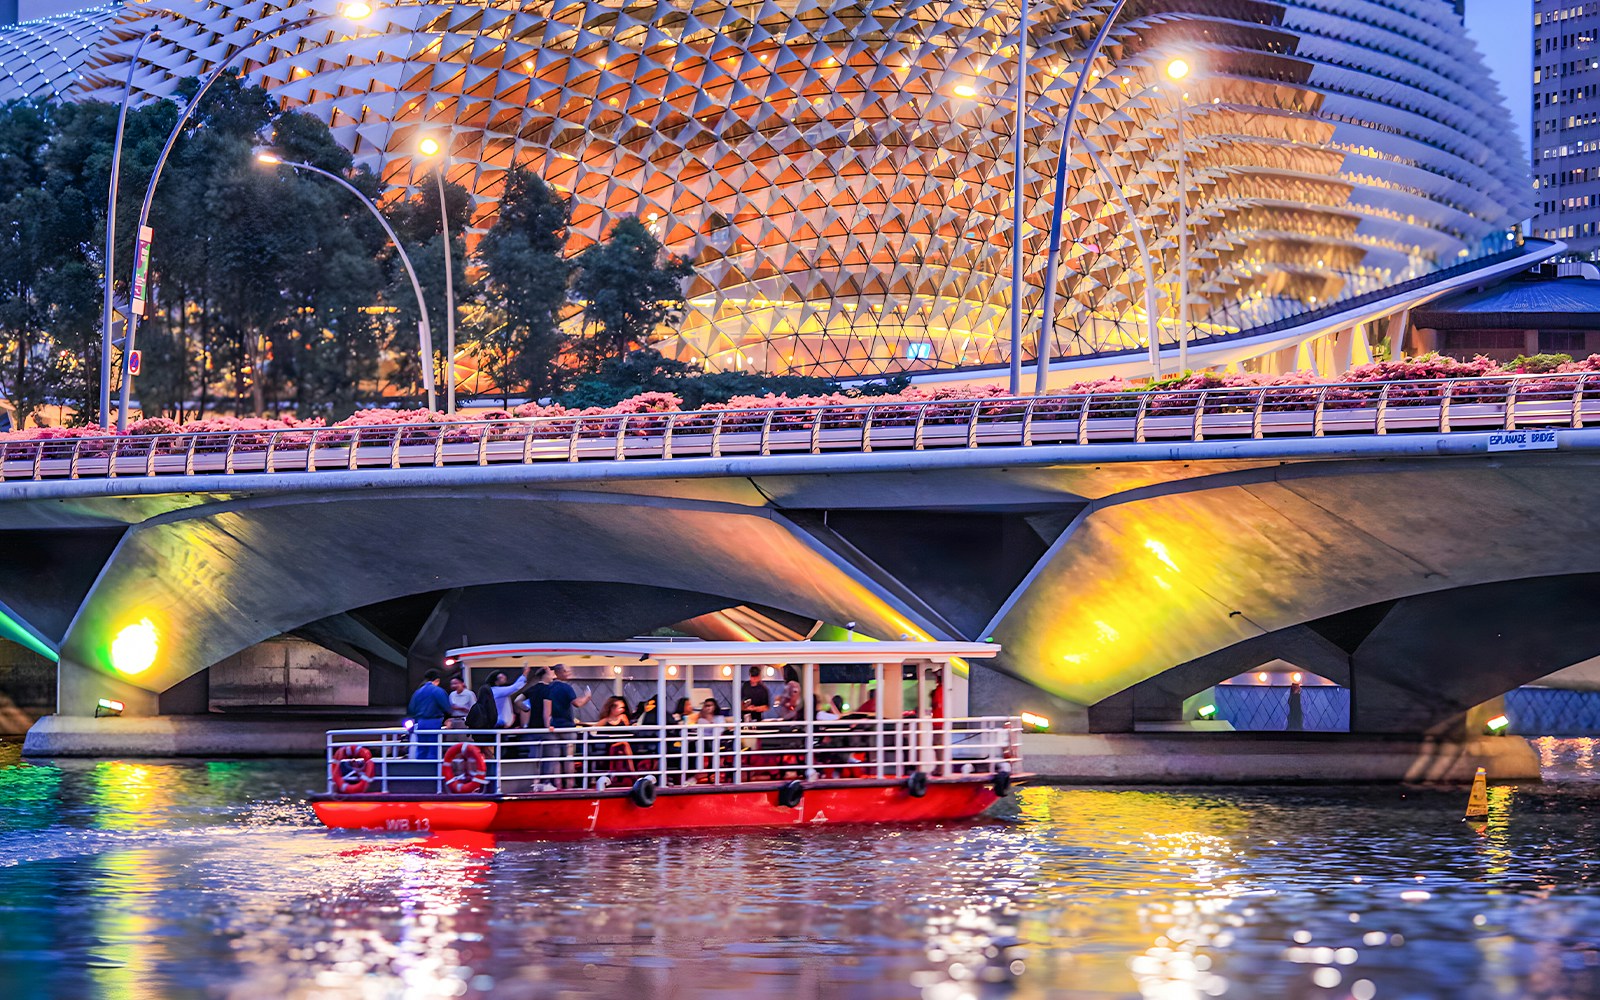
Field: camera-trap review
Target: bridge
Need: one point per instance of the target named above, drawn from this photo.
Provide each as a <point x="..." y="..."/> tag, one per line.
<point x="1425" y="544"/>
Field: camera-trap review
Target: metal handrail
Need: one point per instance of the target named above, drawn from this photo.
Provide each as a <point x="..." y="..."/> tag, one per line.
<point x="731" y="751"/>
<point x="1489" y="403"/>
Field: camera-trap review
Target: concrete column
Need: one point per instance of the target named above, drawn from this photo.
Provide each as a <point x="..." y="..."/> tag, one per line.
<point x="79" y="689"/>
<point x="1397" y="334"/>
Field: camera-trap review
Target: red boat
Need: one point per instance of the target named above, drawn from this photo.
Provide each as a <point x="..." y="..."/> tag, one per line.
<point x="724" y="762"/>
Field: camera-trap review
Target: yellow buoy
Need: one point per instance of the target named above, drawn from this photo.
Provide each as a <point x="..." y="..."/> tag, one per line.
<point x="1478" y="802"/>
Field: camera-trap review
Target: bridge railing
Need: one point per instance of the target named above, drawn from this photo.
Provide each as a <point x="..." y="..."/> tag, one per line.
<point x="1301" y="410"/>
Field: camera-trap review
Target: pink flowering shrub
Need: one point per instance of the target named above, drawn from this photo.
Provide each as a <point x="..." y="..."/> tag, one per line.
<point x="1479" y="380"/>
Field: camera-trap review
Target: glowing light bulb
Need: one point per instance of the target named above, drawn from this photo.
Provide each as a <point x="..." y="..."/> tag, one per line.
<point x="356" y="10"/>
<point x="429" y="147"/>
<point x="134" y="649"/>
<point x="1177" y="69"/>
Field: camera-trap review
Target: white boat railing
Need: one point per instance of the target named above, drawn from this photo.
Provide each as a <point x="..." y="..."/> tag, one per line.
<point x="1489" y="403"/>
<point x="405" y="763"/>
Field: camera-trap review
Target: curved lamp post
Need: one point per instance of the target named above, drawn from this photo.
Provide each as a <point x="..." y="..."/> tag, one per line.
<point x="110" y="262"/>
<point x="1177" y="69"/>
<point x="431" y="147"/>
<point x="1058" y="205"/>
<point x="424" y="334"/>
<point x="355" y="10"/>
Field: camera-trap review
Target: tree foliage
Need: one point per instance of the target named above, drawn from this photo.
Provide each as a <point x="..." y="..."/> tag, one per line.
<point x="629" y="287"/>
<point x="527" y="277"/>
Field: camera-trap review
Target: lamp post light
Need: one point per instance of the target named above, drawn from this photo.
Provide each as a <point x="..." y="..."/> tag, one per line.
<point x="110" y="261"/>
<point x="1177" y="70"/>
<point x="431" y="147"/>
<point x="424" y="333"/>
<point x="1018" y="197"/>
<point x="354" y="10"/>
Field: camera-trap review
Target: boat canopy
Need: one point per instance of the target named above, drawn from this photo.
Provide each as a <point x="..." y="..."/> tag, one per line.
<point x="695" y="653"/>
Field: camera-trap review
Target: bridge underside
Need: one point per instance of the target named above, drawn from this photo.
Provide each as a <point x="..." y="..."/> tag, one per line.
<point x="1426" y="584"/>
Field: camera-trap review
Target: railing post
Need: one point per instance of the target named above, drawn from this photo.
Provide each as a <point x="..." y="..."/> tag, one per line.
<point x="438" y="447"/>
<point x="716" y="434"/>
<point x="188" y="458"/>
<point x="1444" y="407"/>
<point x="1318" y="415"/>
<point x="972" y="425"/>
<point x="1139" y="417"/>
<point x="622" y="438"/>
<point x="866" y="431"/>
<point x="572" y="441"/>
<point x="1257" y="432"/>
<point x="394" y="447"/>
<point x="916" y="434"/>
<point x="527" y="442"/>
<point x="72" y="467"/>
<point x="1577" y="402"/>
<point x="1027" y="422"/>
<point x="227" y="454"/>
<point x="816" y="432"/>
<point x="350" y="460"/>
<point x="1199" y="433"/>
<point x="1381" y="421"/>
<point x="272" y="447"/>
<point x="111" y="458"/>
<point x="666" y="452"/>
<point x="150" y="456"/>
<point x="1083" y="419"/>
<point x="766" y="434"/>
<point x="1511" y="405"/>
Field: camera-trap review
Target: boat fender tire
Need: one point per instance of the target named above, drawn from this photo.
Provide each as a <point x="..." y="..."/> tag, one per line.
<point x="643" y="792"/>
<point x="1001" y="784"/>
<point x="790" y="794"/>
<point x="464" y="769"/>
<point x="351" y="770"/>
<point x="917" y="784"/>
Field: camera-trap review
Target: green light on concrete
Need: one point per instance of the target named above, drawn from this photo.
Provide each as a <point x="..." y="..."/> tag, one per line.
<point x="14" y="630"/>
<point x="1207" y="711"/>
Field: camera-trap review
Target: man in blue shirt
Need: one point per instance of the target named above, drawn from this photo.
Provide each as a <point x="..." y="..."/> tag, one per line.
<point x="560" y="699"/>
<point x="428" y="709"/>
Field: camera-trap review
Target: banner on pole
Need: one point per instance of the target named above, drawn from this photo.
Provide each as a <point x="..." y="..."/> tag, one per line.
<point x="141" y="269"/>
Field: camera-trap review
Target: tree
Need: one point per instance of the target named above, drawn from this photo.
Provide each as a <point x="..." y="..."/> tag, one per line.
<point x="416" y="222"/>
<point x="527" y="282"/>
<point x="629" y="287"/>
<point x="647" y="370"/>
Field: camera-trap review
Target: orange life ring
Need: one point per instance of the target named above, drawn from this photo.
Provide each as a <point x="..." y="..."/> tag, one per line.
<point x="464" y="770"/>
<point x="351" y="770"/>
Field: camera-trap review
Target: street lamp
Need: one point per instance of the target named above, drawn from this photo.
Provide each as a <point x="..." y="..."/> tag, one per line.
<point x="111" y="231"/>
<point x="424" y="334"/>
<point x="1017" y="198"/>
<point x="431" y="147"/>
<point x="354" y="10"/>
<point x="1177" y="69"/>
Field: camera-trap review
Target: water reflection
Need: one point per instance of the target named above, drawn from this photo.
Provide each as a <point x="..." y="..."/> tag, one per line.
<point x="188" y="879"/>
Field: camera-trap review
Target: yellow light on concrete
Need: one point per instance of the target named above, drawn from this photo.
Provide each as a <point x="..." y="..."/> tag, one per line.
<point x="966" y="90"/>
<point x="1295" y="677"/>
<point x="135" y="647"/>
<point x="1498" y="723"/>
<point x="429" y="147"/>
<point x="1035" y="720"/>
<point x="1177" y="69"/>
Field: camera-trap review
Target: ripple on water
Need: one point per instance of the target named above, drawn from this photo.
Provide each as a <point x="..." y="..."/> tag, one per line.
<point x="212" y="879"/>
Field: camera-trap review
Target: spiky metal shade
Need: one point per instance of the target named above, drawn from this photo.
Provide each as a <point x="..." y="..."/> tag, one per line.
<point x="839" y="171"/>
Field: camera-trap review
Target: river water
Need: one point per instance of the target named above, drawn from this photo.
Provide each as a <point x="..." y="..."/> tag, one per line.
<point x="189" y="879"/>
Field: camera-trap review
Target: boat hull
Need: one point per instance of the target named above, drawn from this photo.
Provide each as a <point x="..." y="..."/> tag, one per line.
<point x="673" y="809"/>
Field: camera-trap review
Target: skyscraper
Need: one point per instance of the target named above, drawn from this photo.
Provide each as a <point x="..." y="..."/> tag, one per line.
<point x="1566" y="124"/>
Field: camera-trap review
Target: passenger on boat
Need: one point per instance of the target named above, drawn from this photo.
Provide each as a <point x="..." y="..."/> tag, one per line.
<point x="612" y="714"/>
<point x="823" y="711"/>
<point x="428" y="708"/>
<point x="482" y="719"/>
<point x="461" y="701"/>
<point x="559" y="702"/>
<point x="529" y="703"/>
<point x="788" y="707"/>
<point x="754" y="698"/>
<point x="503" y="690"/>
<point x="708" y="727"/>
<point x="870" y="706"/>
<point x="838" y="704"/>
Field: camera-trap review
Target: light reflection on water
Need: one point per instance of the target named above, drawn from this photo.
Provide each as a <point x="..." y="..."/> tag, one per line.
<point x="211" y="880"/>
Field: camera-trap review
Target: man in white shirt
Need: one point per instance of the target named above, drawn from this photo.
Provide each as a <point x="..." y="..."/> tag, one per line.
<point x="461" y="701"/>
<point x="503" y="692"/>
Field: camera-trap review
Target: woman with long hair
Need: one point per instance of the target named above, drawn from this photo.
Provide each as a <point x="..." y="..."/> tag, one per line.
<point x="615" y="713"/>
